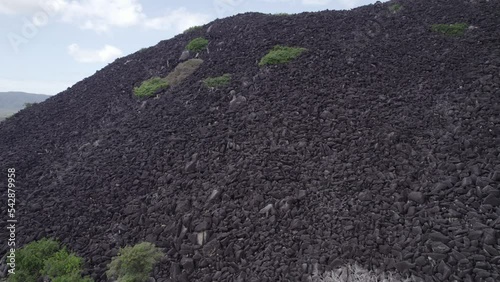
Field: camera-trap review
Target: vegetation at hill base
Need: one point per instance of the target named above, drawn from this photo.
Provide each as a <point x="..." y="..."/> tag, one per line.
<point x="133" y="264"/>
<point x="46" y="258"/>
<point x="281" y="55"/>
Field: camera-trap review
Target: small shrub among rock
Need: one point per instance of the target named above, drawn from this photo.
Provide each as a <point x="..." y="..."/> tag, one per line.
<point x="46" y="258"/>
<point x="150" y="87"/>
<point x="193" y="28"/>
<point x="457" y="29"/>
<point x="217" y="81"/>
<point x="27" y="105"/>
<point x="197" y="44"/>
<point x="394" y="8"/>
<point x="62" y="264"/>
<point x="280" y="55"/>
<point x="133" y="264"/>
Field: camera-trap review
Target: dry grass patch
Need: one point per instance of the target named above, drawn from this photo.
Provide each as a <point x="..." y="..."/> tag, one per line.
<point x="182" y="71"/>
<point x="457" y="29"/>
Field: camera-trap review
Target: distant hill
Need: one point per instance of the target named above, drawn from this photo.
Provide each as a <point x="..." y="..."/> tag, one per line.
<point x="12" y="102"/>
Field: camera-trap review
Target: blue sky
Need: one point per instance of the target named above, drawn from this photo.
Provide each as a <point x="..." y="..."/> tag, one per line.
<point x="49" y="45"/>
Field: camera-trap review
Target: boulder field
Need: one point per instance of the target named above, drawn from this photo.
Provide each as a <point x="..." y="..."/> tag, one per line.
<point x="378" y="145"/>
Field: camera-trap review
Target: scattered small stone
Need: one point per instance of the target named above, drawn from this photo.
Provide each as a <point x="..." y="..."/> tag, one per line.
<point x="438" y="236"/>
<point x="444" y="269"/>
<point x="215" y="194"/>
<point x="404" y="266"/>
<point x="236" y="102"/>
<point x="417" y="197"/>
<point x="439" y="247"/>
<point x="184" y="56"/>
<point x="492" y="200"/>
<point x="187" y="264"/>
<point x="365" y="196"/>
<point x="267" y="209"/>
<point x="466" y="181"/>
<point x="421" y="261"/>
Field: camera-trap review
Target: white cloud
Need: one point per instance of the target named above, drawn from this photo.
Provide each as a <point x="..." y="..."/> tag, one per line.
<point x="18" y="6"/>
<point x="106" y="54"/>
<point x="349" y="4"/>
<point x="101" y="15"/>
<point x="179" y="19"/>
<point x="31" y="6"/>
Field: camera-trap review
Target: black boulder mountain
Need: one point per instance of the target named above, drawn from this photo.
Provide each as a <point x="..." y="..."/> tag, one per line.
<point x="378" y="145"/>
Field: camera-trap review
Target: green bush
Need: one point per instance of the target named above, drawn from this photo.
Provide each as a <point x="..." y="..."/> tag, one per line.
<point x="217" y="81"/>
<point x="62" y="263"/>
<point x="133" y="264"/>
<point x="457" y="29"/>
<point x="197" y="44"/>
<point x="193" y="28"/>
<point x="395" y="7"/>
<point x="73" y="277"/>
<point x="45" y="257"/>
<point x="280" y="55"/>
<point x="150" y="86"/>
<point x="30" y="260"/>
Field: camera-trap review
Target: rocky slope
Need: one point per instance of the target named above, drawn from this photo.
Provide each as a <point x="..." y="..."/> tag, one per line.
<point x="379" y="145"/>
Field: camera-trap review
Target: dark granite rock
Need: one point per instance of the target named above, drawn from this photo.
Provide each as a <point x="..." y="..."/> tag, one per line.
<point x="378" y="145"/>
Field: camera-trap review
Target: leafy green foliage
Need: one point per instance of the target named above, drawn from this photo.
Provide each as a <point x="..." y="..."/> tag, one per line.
<point x="73" y="277"/>
<point x="217" y="81"/>
<point x="457" y="29"/>
<point x="133" y="264"/>
<point x="395" y="7"/>
<point x="280" y="55"/>
<point x="30" y="260"/>
<point x="197" y="44"/>
<point x="62" y="263"/>
<point x="282" y="14"/>
<point x="193" y="28"/>
<point x="150" y="86"/>
<point x="46" y="258"/>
